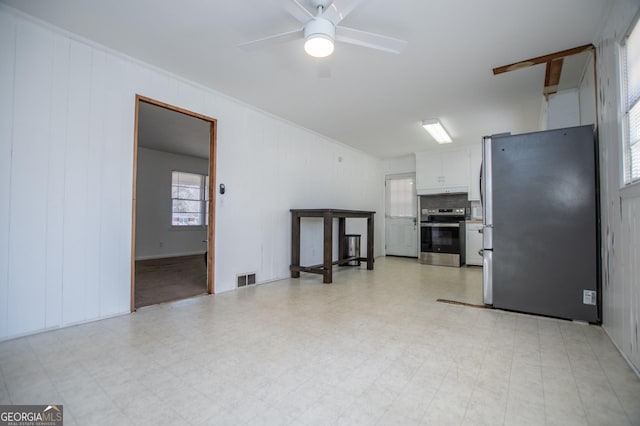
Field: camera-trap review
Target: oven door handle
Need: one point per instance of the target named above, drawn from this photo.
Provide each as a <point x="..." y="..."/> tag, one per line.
<point x="440" y="225"/>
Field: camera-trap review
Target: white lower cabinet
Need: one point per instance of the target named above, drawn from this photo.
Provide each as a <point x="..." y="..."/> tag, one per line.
<point x="474" y="243"/>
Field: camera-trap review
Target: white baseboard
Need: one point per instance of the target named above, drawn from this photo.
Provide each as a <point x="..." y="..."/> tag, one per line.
<point x="166" y="255"/>
<point x="58" y="327"/>
<point x="624" y="356"/>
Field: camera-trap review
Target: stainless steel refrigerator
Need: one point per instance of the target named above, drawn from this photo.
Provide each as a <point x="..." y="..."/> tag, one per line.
<point x="540" y="234"/>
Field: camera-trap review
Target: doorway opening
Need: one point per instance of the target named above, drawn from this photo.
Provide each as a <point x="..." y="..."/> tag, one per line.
<point x="173" y="218"/>
<point x="401" y="223"/>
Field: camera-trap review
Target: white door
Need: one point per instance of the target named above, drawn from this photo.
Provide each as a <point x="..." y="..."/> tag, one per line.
<point x="401" y="224"/>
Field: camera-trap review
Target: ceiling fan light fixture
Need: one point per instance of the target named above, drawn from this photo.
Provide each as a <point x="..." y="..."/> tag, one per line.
<point x="436" y="130"/>
<point x="318" y="46"/>
<point x="319" y="35"/>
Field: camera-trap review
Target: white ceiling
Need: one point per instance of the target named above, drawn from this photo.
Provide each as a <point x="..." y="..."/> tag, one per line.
<point x="373" y="100"/>
<point x="165" y="130"/>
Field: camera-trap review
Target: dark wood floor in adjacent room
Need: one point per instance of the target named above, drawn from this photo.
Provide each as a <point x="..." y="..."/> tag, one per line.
<point x="168" y="279"/>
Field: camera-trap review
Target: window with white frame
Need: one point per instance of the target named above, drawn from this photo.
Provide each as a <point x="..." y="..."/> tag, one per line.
<point x="189" y="196"/>
<point x="401" y="196"/>
<point x="631" y="75"/>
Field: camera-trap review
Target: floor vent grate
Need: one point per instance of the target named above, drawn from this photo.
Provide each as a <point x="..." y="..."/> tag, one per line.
<point x="244" y="280"/>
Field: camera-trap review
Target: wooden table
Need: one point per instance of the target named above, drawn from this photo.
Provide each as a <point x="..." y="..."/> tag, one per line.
<point x="328" y="215"/>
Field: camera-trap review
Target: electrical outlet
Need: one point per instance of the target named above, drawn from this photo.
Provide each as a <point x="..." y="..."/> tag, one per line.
<point x="589" y="297"/>
<point x="161" y="244"/>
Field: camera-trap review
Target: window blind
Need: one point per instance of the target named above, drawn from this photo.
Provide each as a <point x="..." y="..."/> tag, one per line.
<point x="187" y="198"/>
<point x="401" y="197"/>
<point x="631" y="74"/>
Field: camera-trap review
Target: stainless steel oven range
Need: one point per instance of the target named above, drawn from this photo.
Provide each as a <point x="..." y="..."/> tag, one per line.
<point x="442" y="236"/>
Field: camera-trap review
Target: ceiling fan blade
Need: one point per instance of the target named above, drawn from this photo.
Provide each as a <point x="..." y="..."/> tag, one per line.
<point x="339" y="9"/>
<point x="275" y="39"/>
<point x="298" y="11"/>
<point x="371" y="40"/>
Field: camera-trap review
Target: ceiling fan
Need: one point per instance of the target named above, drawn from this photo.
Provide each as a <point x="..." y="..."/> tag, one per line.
<point x="322" y="30"/>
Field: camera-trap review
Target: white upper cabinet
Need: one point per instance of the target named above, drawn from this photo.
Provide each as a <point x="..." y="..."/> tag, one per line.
<point x="475" y="162"/>
<point x="428" y="171"/>
<point x="442" y="172"/>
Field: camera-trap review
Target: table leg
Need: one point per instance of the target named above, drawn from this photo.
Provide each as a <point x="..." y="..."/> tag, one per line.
<point x="295" y="243"/>
<point x="342" y="246"/>
<point x="370" y="233"/>
<point x="327" y="263"/>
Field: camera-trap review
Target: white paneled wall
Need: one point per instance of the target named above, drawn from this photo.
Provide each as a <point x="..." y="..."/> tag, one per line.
<point x="7" y="50"/>
<point x="66" y="166"/>
<point x="620" y="208"/>
<point x="404" y="164"/>
<point x="28" y="190"/>
<point x="563" y="110"/>
<point x="587" y="95"/>
<point x="630" y="270"/>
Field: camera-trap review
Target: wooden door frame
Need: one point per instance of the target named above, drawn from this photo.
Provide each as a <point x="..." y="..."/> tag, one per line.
<point x="211" y="232"/>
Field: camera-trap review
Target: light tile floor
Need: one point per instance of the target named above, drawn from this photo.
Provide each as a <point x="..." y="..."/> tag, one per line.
<point x="371" y="348"/>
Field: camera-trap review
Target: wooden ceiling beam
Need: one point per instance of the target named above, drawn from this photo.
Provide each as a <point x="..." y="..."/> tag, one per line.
<point x="552" y="76"/>
<point x="543" y="59"/>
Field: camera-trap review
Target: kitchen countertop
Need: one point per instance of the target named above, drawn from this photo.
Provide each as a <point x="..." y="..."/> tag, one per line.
<point x="474" y="220"/>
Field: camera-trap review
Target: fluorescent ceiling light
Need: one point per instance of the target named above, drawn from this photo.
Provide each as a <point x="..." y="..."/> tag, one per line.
<point x="433" y="126"/>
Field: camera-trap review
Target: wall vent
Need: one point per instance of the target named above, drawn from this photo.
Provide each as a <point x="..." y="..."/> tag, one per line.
<point x="246" y="279"/>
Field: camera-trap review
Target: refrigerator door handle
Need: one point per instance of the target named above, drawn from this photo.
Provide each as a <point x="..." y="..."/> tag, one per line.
<point x="487" y="237"/>
<point x="487" y="276"/>
<point x="486" y="190"/>
<point x="480" y="184"/>
<point x="487" y="181"/>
